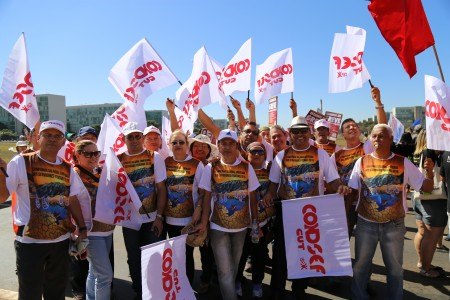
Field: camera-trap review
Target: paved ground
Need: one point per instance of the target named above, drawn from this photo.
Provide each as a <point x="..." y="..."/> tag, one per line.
<point x="416" y="287"/>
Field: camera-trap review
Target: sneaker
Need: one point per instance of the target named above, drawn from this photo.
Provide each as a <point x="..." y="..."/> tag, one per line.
<point x="257" y="291"/>
<point x="447" y="238"/>
<point x="203" y="288"/>
<point x="443" y="249"/>
<point x="238" y="288"/>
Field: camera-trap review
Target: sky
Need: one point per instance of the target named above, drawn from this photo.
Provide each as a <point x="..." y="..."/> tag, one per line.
<point x="72" y="45"/>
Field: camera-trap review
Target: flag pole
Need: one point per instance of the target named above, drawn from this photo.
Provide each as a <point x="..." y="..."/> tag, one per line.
<point x="292" y="95"/>
<point x="438" y="63"/>
<point x="371" y="84"/>
<point x="248" y="94"/>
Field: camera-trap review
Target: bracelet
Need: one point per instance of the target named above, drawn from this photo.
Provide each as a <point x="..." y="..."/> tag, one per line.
<point x="378" y="107"/>
<point x="82" y="228"/>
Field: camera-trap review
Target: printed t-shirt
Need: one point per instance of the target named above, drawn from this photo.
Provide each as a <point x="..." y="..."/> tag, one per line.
<point x="264" y="213"/>
<point x="329" y="147"/>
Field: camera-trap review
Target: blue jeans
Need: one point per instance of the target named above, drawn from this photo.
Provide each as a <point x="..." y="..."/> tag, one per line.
<point x="391" y="238"/>
<point x="227" y="248"/>
<point x="100" y="276"/>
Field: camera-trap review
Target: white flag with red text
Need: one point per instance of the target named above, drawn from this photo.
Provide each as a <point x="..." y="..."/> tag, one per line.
<point x="201" y="89"/>
<point x="236" y="74"/>
<point x="17" y="92"/>
<point x="140" y="73"/>
<point x="397" y="127"/>
<point x="117" y="202"/>
<point x="274" y="76"/>
<point x="164" y="270"/>
<point x="218" y="67"/>
<point x="347" y="70"/>
<point x="67" y="151"/>
<point x="128" y="112"/>
<point x="111" y="136"/>
<point x="437" y="113"/>
<point x="316" y="237"/>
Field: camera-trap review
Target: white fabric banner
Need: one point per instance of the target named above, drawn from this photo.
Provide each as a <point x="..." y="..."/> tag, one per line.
<point x="140" y="73"/>
<point x="164" y="270"/>
<point x="166" y="130"/>
<point x="236" y="74"/>
<point x="218" y="67"/>
<point x="437" y="107"/>
<point x="129" y="112"/>
<point x="316" y="237"/>
<point x="184" y="122"/>
<point x="201" y="89"/>
<point x="17" y="91"/>
<point x="397" y="127"/>
<point x="274" y="76"/>
<point x="66" y="152"/>
<point x="117" y="202"/>
<point x="347" y="70"/>
<point x="111" y="136"/>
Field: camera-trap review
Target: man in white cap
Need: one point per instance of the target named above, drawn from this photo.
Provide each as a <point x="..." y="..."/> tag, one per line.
<point x="147" y="172"/>
<point x="297" y="172"/>
<point x="231" y="183"/>
<point x="21" y="146"/>
<point x="46" y="191"/>
<point x="154" y="142"/>
<point x="322" y="134"/>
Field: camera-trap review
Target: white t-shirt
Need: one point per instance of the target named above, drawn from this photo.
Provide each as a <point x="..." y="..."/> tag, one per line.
<point x="197" y="178"/>
<point x="17" y="182"/>
<point x="411" y="176"/>
<point x="205" y="183"/>
<point x="326" y="169"/>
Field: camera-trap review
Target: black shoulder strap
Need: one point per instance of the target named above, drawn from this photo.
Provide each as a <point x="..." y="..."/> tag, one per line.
<point x="93" y="177"/>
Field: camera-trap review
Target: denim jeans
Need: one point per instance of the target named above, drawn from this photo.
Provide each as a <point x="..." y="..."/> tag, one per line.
<point x="227" y="248"/>
<point x="100" y="276"/>
<point x="391" y="238"/>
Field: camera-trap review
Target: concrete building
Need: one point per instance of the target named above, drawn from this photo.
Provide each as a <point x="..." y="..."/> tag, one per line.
<point x="84" y="115"/>
<point x="407" y="115"/>
<point x="155" y="116"/>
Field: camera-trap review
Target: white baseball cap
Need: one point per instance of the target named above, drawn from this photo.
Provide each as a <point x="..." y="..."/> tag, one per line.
<point x="130" y="127"/>
<point x="53" y="124"/>
<point x="151" y="128"/>
<point x="227" y="134"/>
<point x="322" y="123"/>
<point x="299" y="122"/>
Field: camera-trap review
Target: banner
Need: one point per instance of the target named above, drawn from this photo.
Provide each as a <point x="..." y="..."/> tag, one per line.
<point x="397" y="127"/>
<point x="218" y="69"/>
<point x="437" y="105"/>
<point x="166" y="131"/>
<point x="316" y="237"/>
<point x="347" y="70"/>
<point x="17" y="91"/>
<point x="128" y="112"/>
<point x="273" y="111"/>
<point x="140" y="73"/>
<point x="201" y="89"/>
<point x="67" y="151"/>
<point x="164" y="270"/>
<point x="111" y="136"/>
<point x="117" y="202"/>
<point x="184" y="122"/>
<point x="335" y="120"/>
<point x="235" y="76"/>
<point x="312" y="116"/>
<point x="274" y="76"/>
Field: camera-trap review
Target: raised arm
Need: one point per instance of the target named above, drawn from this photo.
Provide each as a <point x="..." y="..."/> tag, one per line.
<point x="237" y="105"/>
<point x="376" y="97"/>
<point x="251" y="110"/>
<point x="231" y="120"/>
<point x="173" y="118"/>
<point x="293" y="107"/>
<point x="208" y="123"/>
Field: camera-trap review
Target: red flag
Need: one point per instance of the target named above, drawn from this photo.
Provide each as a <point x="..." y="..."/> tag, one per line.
<point x="405" y="27"/>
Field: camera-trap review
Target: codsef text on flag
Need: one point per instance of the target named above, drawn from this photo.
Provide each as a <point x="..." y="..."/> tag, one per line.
<point x="170" y="282"/>
<point x="193" y="98"/>
<point x="435" y="111"/>
<point x="142" y="76"/>
<point x="233" y="70"/>
<point x="122" y="199"/>
<point x="345" y="62"/>
<point x="274" y="76"/>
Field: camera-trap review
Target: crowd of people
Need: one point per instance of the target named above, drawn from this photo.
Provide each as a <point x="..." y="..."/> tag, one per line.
<point x="230" y="191"/>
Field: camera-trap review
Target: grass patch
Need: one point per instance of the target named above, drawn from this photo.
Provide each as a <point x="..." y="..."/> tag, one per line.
<point x="5" y="153"/>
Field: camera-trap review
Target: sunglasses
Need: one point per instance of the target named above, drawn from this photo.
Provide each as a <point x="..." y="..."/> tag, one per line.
<point x="136" y="137"/>
<point x="299" y="130"/>
<point x="181" y="143"/>
<point x="254" y="132"/>
<point x="257" y="152"/>
<point x="90" y="154"/>
<point x="50" y="136"/>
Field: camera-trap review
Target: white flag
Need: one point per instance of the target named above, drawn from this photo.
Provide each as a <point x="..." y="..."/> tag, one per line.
<point x="316" y="237"/>
<point x="140" y="73"/>
<point x="347" y="70"/>
<point x="117" y="202"/>
<point x="201" y="89"/>
<point x="218" y="67"/>
<point x="67" y="151"/>
<point x="17" y="91"/>
<point x="237" y="73"/>
<point x="129" y="112"/>
<point x="164" y="270"/>
<point x="166" y="131"/>
<point x="437" y="108"/>
<point x="111" y="136"/>
<point x="397" y="127"/>
<point x="274" y="76"/>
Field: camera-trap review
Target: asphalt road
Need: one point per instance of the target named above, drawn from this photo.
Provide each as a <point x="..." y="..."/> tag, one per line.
<point x="415" y="286"/>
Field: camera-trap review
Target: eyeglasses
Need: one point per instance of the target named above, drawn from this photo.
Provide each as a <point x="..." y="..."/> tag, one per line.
<point x="257" y="152"/>
<point x="50" y="136"/>
<point x="90" y="154"/>
<point x="136" y="137"/>
<point x="181" y="143"/>
<point x="299" y="130"/>
<point x="254" y="132"/>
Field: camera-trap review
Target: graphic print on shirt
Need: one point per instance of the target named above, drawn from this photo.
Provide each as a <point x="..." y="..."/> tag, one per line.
<point x="329" y="147"/>
<point x="345" y="161"/>
<point x="263" y="179"/>
<point x="141" y="171"/>
<point x="300" y="172"/>
<point x="381" y="198"/>
<point x="179" y="183"/>
<point x="229" y="188"/>
<point x="49" y="187"/>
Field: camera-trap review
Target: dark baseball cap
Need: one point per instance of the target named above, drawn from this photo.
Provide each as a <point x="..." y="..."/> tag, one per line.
<point x="85" y="130"/>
